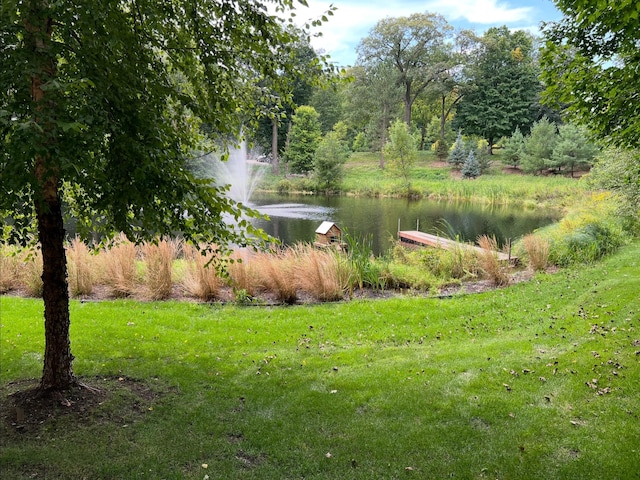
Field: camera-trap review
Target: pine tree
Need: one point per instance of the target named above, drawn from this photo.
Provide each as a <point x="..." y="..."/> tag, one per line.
<point x="471" y="167"/>
<point x="514" y="149"/>
<point x="458" y="155"/>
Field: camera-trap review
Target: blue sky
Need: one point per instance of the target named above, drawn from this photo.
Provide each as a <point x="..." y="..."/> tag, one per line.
<point x="354" y="18"/>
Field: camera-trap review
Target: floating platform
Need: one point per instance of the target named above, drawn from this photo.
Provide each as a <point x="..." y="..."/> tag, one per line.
<point x="415" y="237"/>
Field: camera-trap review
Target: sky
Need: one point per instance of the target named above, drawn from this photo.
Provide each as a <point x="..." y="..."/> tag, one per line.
<point x="354" y="19"/>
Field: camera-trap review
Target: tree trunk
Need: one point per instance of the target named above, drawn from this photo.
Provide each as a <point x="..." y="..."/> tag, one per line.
<point x="383" y="135"/>
<point x="443" y="116"/>
<point x="408" y="103"/>
<point x="275" y="161"/>
<point x="57" y="373"/>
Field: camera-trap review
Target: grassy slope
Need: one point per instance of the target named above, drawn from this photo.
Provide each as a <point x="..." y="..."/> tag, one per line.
<point x="363" y="177"/>
<point x="493" y="385"/>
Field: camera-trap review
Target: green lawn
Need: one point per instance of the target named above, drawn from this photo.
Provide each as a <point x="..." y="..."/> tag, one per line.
<point x="539" y="380"/>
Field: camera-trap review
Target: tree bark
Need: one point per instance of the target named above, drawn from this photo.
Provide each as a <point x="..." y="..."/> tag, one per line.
<point x="57" y="373"/>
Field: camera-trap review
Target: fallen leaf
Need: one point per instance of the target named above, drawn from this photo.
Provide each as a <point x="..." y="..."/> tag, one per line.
<point x="328" y="455"/>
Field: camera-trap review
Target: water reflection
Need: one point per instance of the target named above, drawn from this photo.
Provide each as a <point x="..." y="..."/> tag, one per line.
<point x="295" y="218"/>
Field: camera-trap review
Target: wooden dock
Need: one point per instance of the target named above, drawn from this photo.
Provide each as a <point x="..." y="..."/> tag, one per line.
<point x="415" y="237"/>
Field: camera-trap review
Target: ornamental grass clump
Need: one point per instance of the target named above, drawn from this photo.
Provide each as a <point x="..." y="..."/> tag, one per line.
<point x="81" y="269"/>
<point x="275" y="272"/>
<point x="537" y="249"/>
<point x="201" y="279"/>
<point x="158" y="260"/>
<point x="496" y="270"/>
<point x="9" y="269"/>
<point x="30" y="274"/>
<point x="119" y="267"/>
<point x="316" y="273"/>
<point x="242" y="274"/>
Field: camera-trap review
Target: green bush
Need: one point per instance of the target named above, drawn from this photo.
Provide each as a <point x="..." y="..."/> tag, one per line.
<point x="587" y="244"/>
<point x="284" y="186"/>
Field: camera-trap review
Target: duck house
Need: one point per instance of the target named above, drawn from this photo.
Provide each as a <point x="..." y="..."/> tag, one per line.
<point x="328" y="234"/>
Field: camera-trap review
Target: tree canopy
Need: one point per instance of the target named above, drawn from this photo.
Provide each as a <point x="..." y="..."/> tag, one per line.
<point x="504" y="86"/>
<point x="417" y="48"/>
<point x="591" y="66"/>
<point x="101" y="109"/>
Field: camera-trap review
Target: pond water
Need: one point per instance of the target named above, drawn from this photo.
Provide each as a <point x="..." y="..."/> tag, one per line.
<point x="294" y="218"/>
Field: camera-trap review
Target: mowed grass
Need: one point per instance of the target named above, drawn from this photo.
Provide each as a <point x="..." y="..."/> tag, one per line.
<point x="537" y="380"/>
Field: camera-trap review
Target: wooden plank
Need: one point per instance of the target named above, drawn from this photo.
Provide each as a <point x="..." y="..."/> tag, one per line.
<point x="426" y="239"/>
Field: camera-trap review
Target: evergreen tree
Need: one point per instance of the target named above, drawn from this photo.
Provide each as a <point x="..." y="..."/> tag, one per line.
<point x="514" y="149"/>
<point x="471" y="167"/>
<point x="458" y="154"/>
<point x="304" y="137"/>
<point x="538" y="147"/>
<point x="573" y="150"/>
<point x="506" y="86"/>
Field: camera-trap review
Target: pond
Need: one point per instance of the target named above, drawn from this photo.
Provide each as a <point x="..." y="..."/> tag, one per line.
<point x="294" y="218"/>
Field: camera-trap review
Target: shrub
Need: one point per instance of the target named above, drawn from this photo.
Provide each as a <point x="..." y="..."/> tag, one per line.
<point x="284" y="186"/>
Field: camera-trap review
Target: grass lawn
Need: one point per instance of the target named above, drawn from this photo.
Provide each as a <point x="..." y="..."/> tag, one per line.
<point x="538" y="380"/>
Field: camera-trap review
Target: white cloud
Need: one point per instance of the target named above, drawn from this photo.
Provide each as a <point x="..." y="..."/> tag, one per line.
<point x="353" y="19"/>
<point x="480" y="11"/>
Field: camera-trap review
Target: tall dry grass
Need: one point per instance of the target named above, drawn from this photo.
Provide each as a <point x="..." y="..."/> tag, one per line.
<point x="275" y="272"/>
<point x="201" y="280"/>
<point x="242" y="273"/>
<point x="30" y="275"/>
<point x="158" y="261"/>
<point x="81" y="268"/>
<point x="9" y="269"/>
<point x="318" y="273"/>
<point x="497" y="271"/>
<point x="538" y="250"/>
<point x="119" y="271"/>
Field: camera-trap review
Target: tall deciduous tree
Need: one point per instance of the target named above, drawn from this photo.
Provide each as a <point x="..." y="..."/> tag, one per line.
<point x="101" y="103"/>
<point x="401" y="151"/>
<point x="304" y="138"/>
<point x="417" y="48"/>
<point x="505" y="87"/>
<point x="373" y="98"/>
